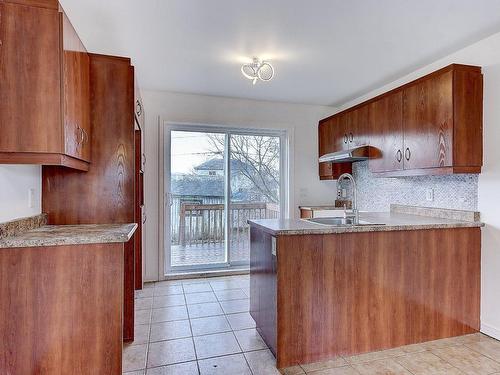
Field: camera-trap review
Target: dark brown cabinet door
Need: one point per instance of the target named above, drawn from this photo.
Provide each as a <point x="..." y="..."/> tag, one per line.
<point x="428" y="123"/>
<point x="76" y="93"/>
<point x="357" y="127"/>
<point x="30" y="79"/>
<point x="325" y="140"/>
<point x="386" y="133"/>
<point x="341" y="125"/>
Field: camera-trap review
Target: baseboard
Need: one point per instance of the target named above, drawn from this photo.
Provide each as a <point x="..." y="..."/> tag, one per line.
<point x="490" y="330"/>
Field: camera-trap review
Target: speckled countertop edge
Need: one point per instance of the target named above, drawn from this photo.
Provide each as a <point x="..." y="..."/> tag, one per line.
<point x="393" y="221"/>
<point x="54" y="235"/>
<point x="17" y="226"/>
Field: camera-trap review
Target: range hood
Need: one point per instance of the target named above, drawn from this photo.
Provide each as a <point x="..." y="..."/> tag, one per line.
<point x="355" y="154"/>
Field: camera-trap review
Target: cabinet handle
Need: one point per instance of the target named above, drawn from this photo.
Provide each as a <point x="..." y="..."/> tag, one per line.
<point x="407" y="154"/>
<point x="138" y="108"/>
<point x="345" y="138"/>
<point x="399" y="156"/>
<point x="351" y="137"/>
<point x="80" y="135"/>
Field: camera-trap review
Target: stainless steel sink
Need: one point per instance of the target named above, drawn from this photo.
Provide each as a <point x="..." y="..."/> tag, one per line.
<point x="339" y="221"/>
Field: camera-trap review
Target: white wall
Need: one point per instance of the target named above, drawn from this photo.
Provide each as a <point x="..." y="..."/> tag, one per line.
<point x="485" y="53"/>
<point x="15" y="182"/>
<point x="300" y="120"/>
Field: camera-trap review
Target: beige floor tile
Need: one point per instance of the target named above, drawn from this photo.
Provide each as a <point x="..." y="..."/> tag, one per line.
<point x="170" y="330"/>
<point x="168" y="301"/>
<point x="196" y="280"/>
<point x="467" y="360"/>
<point x="202" y="297"/>
<point x="426" y="363"/>
<point x="373" y="356"/>
<point x="140" y="372"/>
<point x="229" y="284"/>
<point x="187" y="368"/>
<point x="210" y="325"/>
<point x="323" y="365"/>
<point x="141" y="334"/>
<point x="249" y="339"/>
<point x="161" y="284"/>
<point x="148" y="284"/>
<point x="262" y="362"/>
<point x="294" y="370"/>
<point x="215" y="345"/>
<point x="241" y="321"/>
<point x="169" y="352"/>
<point x="231" y="294"/>
<point x="143" y="303"/>
<point x="142" y="316"/>
<point x="197" y="288"/>
<point x="228" y="365"/>
<point x="235" y="306"/>
<point x="488" y="347"/>
<point x="144" y="293"/>
<point x="168" y="290"/>
<point x="134" y="357"/>
<point x="345" y="370"/>
<point x="381" y="367"/>
<point x="441" y="343"/>
<point x="412" y="348"/>
<point x="204" y="309"/>
<point x="168" y="314"/>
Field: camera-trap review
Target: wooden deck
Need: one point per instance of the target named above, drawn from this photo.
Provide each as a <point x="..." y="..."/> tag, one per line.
<point x="208" y="253"/>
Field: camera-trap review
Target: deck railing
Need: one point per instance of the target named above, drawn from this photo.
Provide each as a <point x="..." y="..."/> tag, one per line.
<point x="204" y="223"/>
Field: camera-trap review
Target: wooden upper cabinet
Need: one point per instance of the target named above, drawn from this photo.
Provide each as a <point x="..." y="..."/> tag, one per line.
<point x="44" y="92"/>
<point x="430" y="126"/>
<point x="357" y="127"/>
<point x="386" y="133"/>
<point x="428" y="123"/>
<point x="30" y="80"/>
<point x="76" y="70"/>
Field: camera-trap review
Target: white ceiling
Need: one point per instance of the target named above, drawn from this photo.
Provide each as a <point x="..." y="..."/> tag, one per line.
<point x="324" y="51"/>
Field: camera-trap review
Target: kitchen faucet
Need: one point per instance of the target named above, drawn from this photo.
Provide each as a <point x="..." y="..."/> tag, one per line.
<point x="354" y="212"/>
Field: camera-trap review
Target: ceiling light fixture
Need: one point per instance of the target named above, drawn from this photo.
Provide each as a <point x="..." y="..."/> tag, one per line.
<point x="258" y="70"/>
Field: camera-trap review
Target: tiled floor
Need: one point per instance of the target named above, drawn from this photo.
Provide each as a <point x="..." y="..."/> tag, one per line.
<point x="202" y="326"/>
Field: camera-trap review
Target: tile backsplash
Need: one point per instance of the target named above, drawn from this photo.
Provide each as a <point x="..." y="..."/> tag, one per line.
<point x="376" y="194"/>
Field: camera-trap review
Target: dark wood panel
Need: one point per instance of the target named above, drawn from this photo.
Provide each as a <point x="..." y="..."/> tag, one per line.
<point x="263" y="284"/>
<point x="49" y="4"/>
<point x="332" y="171"/>
<point x="61" y="310"/>
<point x="43" y="158"/>
<point x="76" y="93"/>
<point x="386" y="133"/>
<point x="358" y="129"/>
<point x="428" y="123"/>
<point x="344" y="294"/>
<point x="30" y="80"/>
<point x="105" y="194"/>
<point x="468" y="118"/>
<point x="306" y="214"/>
<point x="77" y="104"/>
<point x="139" y="201"/>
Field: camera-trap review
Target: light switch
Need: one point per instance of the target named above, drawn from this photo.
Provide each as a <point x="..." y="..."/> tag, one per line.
<point x="429" y="195"/>
<point x="31" y="197"/>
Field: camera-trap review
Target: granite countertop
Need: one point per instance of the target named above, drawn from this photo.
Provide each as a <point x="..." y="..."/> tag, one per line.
<point x="53" y="235"/>
<point x="397" y="219"/>
<point x="319" y="208"/>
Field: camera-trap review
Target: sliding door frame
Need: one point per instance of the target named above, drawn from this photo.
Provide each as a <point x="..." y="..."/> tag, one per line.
<point x="165" y="266"/>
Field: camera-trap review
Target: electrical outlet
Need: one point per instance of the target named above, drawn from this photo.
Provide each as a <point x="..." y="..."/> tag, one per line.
<point x="429" y="195"/>
<point x="31" y="197"/>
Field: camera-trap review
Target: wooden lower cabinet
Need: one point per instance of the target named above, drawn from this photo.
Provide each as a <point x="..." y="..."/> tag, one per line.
<point x="343" y="294"/>
<point x="61" y="309"/>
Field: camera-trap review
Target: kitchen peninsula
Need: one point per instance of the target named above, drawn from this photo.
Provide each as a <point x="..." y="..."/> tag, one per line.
<point x="62" y="293"/>
<point x="317" y="291"/>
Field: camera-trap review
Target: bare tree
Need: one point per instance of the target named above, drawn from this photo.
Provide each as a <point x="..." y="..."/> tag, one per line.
<point x="257" y="158"/>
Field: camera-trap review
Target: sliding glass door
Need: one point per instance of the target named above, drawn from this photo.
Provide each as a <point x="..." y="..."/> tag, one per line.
<point x="216" y="180"/>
